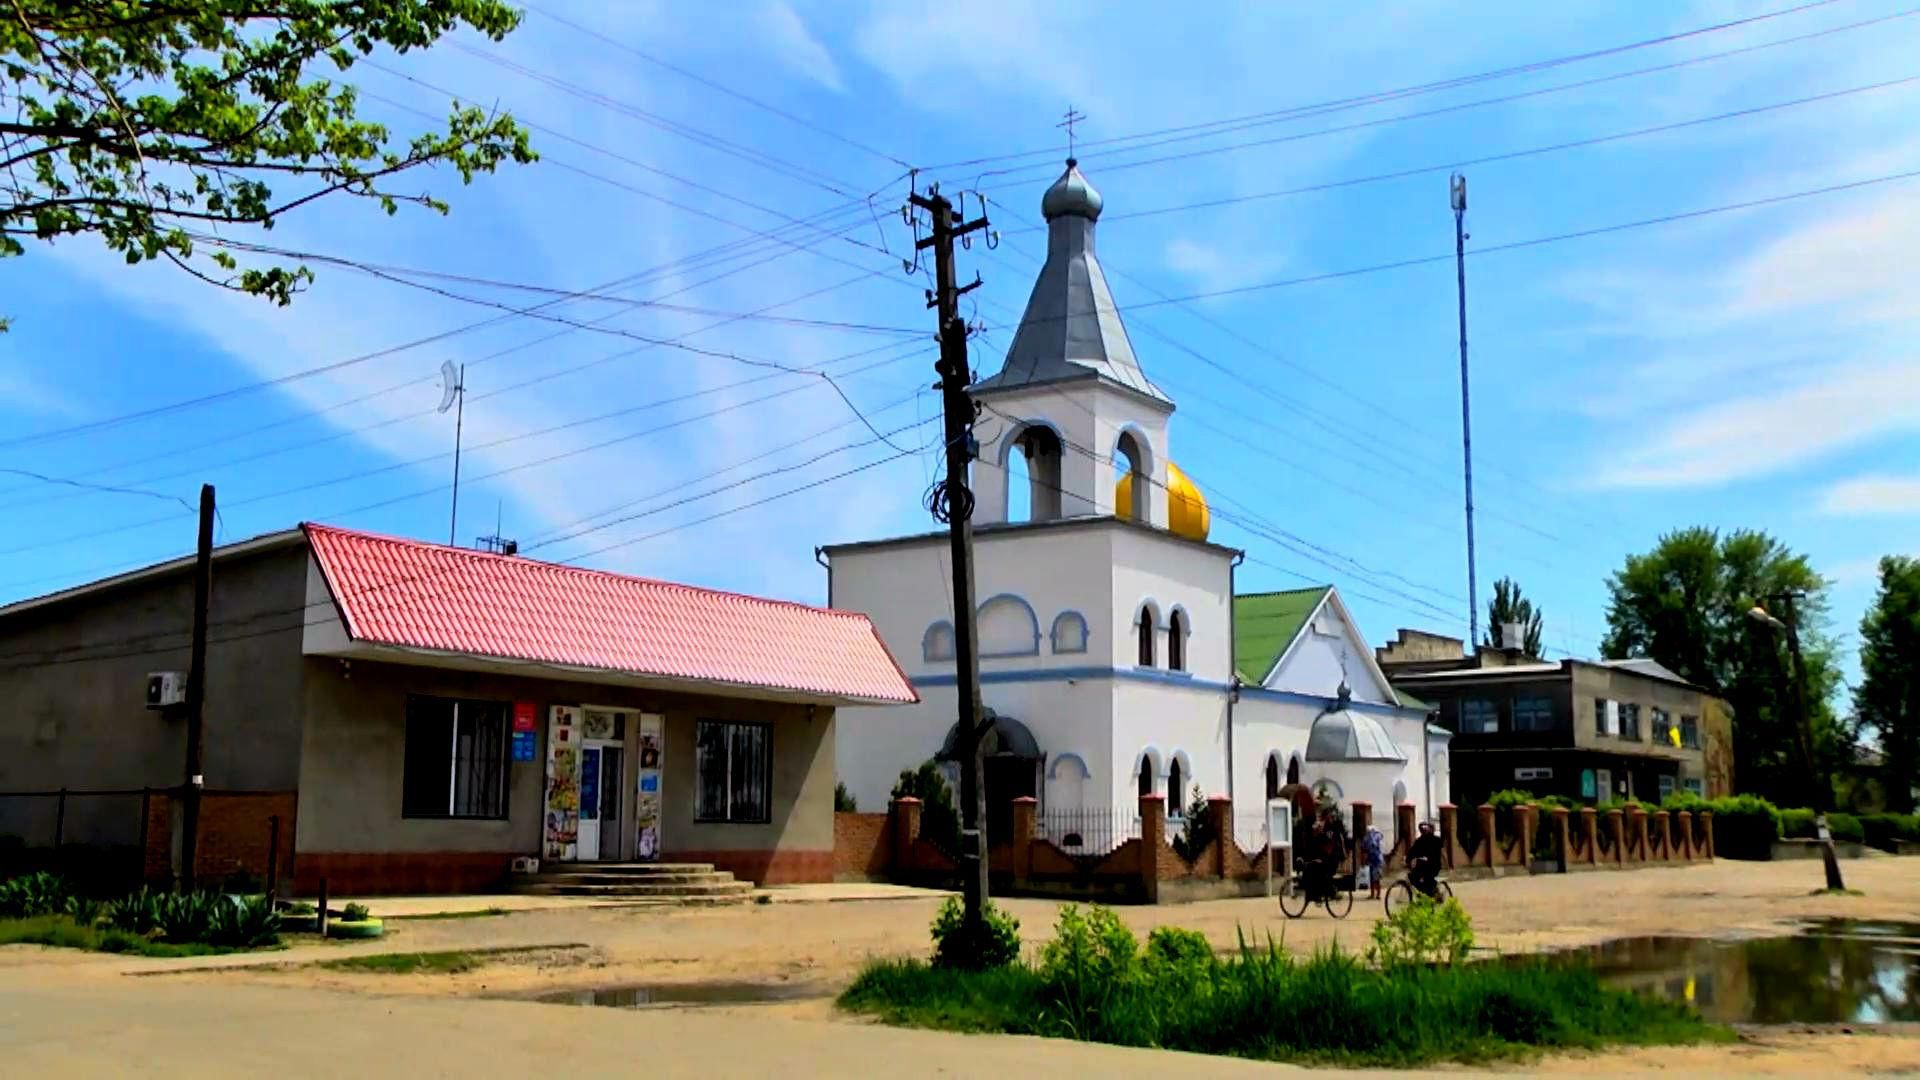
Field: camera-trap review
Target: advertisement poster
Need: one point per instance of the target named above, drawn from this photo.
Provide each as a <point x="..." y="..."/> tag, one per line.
<point x="563" y="784"/>
<point x="523" y="746"/>
<point x="526" y="717"/>
<point x="646" y="808"/>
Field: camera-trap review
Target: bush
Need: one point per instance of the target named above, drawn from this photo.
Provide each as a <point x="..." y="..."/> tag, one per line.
<point x="31" y="895"/>
<point x="1422" y="934"/>
<point x="1744" y="827"/>
<point x="354" y="913"/>
<point x="247" y="923"/>
<point x="993" y="942"/>
<point x="1196" y="830"/>
<point x="1685" y="800"/>
<point x="1846" y="828"/>
<point x="1797" y="824"/>
<point x="184" y="917"/>
<point x="1885" y="831"/>
<point x="939" y="821"/>
<point x="843" y="800"/>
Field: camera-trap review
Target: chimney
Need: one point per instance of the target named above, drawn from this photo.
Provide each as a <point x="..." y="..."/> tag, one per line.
<point x="1513" y="636"/>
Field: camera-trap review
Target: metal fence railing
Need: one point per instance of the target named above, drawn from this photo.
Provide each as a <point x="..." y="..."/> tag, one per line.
<point x="1087" y="830"/>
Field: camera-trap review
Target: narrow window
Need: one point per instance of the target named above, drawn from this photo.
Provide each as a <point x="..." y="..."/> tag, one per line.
<point x="734" y="766"/>
<point x="1273" y="778"/>
<point x="1600" y="716"/>
<point x="1146" y="637"/>
<point x="1176" y="790"/>
<point x="1146" y="776"/>
<point x="1177" y="641"/>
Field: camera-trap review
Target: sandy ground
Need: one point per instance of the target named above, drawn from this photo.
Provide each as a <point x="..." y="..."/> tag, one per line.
<point x="814" y="948"/>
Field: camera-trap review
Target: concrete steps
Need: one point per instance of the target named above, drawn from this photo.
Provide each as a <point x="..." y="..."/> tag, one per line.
<point x="662" y="882"/>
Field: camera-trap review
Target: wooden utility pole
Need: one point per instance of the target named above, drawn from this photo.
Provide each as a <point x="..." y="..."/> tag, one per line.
<point x="1803" y="729"/>
<point x="953" y="503"/>
<point x="197" y="691"/>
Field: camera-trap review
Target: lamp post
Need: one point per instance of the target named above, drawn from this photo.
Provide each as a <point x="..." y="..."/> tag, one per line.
<point x="1803" y="726"/>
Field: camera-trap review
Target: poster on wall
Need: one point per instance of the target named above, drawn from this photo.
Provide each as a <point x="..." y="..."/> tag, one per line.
<point x="562" y="817"/>
<point x="646" y="807"/>
<point x="526" y="717"/>
<point x="523" y="746"/>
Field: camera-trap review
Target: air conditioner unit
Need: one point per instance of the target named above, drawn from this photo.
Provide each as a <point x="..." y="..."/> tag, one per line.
<point x="524" y="864"/>
<point x="165" y="688"/>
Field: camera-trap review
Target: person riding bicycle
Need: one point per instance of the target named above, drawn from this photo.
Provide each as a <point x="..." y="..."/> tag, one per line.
<point x="1423" y="860"/>
<point x="1326" y="849"/>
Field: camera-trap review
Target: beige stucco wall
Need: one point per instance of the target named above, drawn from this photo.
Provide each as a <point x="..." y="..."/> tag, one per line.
<point x="354" y="747"/>
<point x="1592" y="681"/>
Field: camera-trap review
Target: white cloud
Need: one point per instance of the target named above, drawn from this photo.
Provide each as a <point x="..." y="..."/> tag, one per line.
<point x="786" y="33"/>
<point x="1873" y="495"/>
<point x="24" y="394"/>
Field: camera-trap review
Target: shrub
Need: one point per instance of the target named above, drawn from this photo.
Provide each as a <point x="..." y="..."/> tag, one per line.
<point x="247" y="923"/>
<point x="993" y="942"/>
<point x="1422" y="934"/>
<point x="1885" y="831"/>
<point x="1846" y="828"/>
<point x="1685" y="800"/>
<point x="1797" y="824"/>
<point x="939" y="821"/>
<point x="185" y="917"/>
<point x="1744" y="827"/>
<point x="843" y="800"/>
<point x="135" y="913"/>
<point x="1085" y="971"/>
<point x="1196" y="830"/>
<point x="83" y="910"/>
<point x="31" y="895"/>
<point x="354" y="913"/>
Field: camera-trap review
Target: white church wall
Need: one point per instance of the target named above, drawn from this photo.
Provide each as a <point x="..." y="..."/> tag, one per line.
<point x="1170" y="722"/>
<point x="1074" y="424"/>
<point x="1171" y="573"/>
<point x="1263" y="728"/>
<point x="1326" y="653"/>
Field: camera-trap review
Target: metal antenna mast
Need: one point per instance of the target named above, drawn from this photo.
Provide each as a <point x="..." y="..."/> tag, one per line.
<point x="1457" y="185"/>
<point x="453" y="395"/>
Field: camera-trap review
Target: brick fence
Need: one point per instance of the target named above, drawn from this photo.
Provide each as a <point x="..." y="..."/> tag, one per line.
<point x="240" y="832"/>
<point x="1148" y="869"/>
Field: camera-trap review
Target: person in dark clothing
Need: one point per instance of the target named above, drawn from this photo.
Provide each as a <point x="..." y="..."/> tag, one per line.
<point x="1423" y="859"/>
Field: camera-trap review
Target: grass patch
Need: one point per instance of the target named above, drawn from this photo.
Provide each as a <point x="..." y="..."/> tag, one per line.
<point x="1263" y="1003"/>
<point x="414" y="963"/>
<point x="434" y="916"/>
<point x="62" y="932"/>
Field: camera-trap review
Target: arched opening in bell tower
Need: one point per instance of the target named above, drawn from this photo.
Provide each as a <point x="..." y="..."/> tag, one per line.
<point x="1033" y="475"/>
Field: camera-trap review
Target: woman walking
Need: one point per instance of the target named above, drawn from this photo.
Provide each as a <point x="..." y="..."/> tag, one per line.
<point x="1371" y="849"/>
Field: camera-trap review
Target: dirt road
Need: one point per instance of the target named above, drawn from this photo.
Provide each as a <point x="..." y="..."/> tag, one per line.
<point x="77" y="1014"/>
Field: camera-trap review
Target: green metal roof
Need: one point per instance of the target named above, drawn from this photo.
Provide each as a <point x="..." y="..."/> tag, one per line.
<point x="1265" y="624"/>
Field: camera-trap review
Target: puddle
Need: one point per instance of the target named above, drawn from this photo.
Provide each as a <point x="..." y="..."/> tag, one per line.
<point x="1836" y="971"/>
<point x="634" y="997"/>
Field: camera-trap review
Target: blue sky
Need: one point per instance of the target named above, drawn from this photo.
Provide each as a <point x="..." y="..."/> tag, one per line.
<point x="1749" y="369"/>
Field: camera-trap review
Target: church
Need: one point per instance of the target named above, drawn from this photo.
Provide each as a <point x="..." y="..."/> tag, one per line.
<point x="1116" y="657"/>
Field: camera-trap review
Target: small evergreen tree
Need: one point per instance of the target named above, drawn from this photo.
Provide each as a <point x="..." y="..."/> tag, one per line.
<point x="1508" y="606"/>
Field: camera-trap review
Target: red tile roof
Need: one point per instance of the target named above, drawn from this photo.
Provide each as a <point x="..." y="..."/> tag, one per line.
<point x="411" y="594"/>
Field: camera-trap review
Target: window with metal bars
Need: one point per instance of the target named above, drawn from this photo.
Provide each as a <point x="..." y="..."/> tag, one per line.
<point x="455" y="762"/>
<point x="734" y="770"/>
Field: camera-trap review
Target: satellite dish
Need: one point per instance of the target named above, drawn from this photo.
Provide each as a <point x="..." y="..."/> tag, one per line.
<point x="449" y="384"/>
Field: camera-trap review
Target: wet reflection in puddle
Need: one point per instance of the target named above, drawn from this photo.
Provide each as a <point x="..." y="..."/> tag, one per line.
<point x="1837" y="971"/>
<point x="631" y="997"/>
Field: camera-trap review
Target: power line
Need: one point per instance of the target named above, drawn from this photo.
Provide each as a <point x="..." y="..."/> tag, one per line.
<point x="1504" y="99"/>
<point x="1377" y="97"/>
<point x="710" y="84"/>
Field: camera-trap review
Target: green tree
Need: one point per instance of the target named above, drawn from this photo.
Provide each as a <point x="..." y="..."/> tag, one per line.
<point x="1684" y="604"/>
<point x="939" y="819"/>
<point x="152" y="123"/>
<point x="1508" y="606"/>
<point x="1888" y="697"/>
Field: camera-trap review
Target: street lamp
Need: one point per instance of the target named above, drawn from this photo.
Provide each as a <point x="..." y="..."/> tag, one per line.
<point x="1803" y="727"/>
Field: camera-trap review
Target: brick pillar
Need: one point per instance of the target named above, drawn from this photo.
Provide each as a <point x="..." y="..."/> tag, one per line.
<point x="1683" y="836"/>
<point x="1153" y="843"/>
<point x="1663" y="832"/>
<point x="1706" y="834"/>
<point x="1617" y="833"/>
<point x="1220" y="816"/>
<point x="1450" y="833"/>
<point x="1024" y="809"/>
<point x="1528" y="817"/>
<point x="1561" y="821"/>
<point x="905" y="822"/>
<point x="1637" y="830"/>
<point x="1487" y="839"/>
<point x="1405" y="830"/>
<point x="1590" y="834"/>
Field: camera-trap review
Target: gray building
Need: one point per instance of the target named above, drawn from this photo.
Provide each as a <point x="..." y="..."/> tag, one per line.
<point x="416" y="717"/>
<point x="1590" y="731"/>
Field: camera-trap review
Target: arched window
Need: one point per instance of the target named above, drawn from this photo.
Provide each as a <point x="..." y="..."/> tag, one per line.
<point x="1033" y="475"/>
<point x="1132" y="463"/>
<point x="1145" y="627"/>
<point x="1146" y="775"/>
<point x="1177" y="641"/>
<point x="1273" y="777"/>
<point x="1293" y="769"/>
<point x="1069" y="633"/>
<point x="1176" y="789"/>
<point x="937" y="643"/>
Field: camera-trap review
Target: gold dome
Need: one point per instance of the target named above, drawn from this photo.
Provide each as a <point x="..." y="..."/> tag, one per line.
<point x="1187" y="513"/>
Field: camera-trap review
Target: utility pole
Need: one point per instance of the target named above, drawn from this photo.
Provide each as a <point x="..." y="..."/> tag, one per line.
<point x="197" y="691"/>
<point x="459" y="423"/>
<point x="1803" y="727"/>
<point x="953" y="502"/>
<point x="1457" y="185"/>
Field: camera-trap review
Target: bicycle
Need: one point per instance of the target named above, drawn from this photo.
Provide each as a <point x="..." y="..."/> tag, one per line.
<point x="1294" y="902"/>
<point x="1400" y="894"/>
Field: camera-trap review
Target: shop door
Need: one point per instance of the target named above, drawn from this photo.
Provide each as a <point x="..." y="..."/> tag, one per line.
<point x="600" y="774"/>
